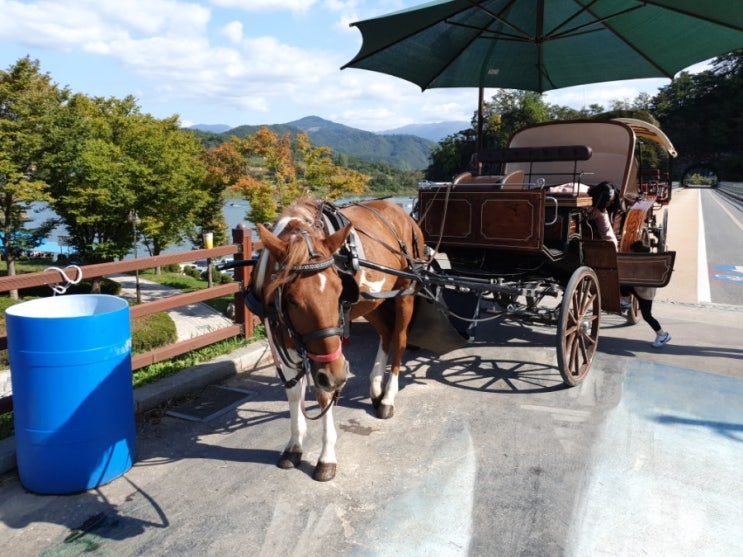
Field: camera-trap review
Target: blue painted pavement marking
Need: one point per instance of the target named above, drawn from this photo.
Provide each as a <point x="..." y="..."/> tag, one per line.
<point x="665" y="477"/>
<point x="727" y="273"/>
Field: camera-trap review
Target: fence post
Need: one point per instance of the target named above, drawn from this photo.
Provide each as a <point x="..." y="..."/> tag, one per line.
<point x="242" y="236"/>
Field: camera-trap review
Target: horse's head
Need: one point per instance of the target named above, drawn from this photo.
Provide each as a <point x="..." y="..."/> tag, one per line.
<point x="306" y="290"/>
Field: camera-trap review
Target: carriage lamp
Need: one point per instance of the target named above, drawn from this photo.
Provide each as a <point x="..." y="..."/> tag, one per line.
<point x="135" y="220"/>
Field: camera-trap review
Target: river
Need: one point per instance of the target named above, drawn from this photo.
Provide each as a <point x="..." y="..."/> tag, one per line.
<point x="234" y="212"/>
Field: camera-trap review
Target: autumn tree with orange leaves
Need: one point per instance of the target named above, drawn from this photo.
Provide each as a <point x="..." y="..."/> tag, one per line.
<point x="273" y="171"/>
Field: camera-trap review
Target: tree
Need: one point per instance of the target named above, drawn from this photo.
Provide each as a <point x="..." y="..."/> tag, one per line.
<point x="271" y="172"/>
<point x="451" y="156"/>
<point x="319" y="173"/>
<point x="507" y="112"/>
<point x="106" y="159"/>
<point x="703" y="114"/>
<point x="172" y="198"/>
<point x="27" y="98"/>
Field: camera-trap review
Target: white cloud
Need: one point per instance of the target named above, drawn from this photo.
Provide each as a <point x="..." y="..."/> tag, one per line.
<point x="233" y="31"/>
<point x="206" y="60"/>
<point x="266" y="5"/>
<point x="88" y="24"/>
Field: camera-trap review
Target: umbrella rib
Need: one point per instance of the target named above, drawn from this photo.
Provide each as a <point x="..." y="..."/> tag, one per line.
<point x="443" y="66"/>
<point x="582" y="28"/>
<point x="386" y="46"/>
<point x="479" y="33"/>
<point x="498" y="17"/>
<point x="619" y="36"/>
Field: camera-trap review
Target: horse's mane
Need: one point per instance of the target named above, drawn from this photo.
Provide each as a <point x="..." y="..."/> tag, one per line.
<point x="304" y="214"/>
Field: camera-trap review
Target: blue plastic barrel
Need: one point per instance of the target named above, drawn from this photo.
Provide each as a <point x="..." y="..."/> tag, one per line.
<point x="73" y="401"/>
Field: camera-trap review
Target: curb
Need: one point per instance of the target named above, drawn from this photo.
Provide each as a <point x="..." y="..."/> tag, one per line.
<point x="244" y="360"/>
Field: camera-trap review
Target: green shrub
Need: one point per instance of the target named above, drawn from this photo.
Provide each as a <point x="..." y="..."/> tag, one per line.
<point x="152" y="331"/>
<point x="172" y="268"/>
<point x="217" y="277"/>
<point x="192" y="272"/>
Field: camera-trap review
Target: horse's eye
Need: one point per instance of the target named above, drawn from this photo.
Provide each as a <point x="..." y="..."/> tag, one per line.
<point x="291" y="302"/>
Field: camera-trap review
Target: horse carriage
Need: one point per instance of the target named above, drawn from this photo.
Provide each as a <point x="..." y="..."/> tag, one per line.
<point x="501" y="240"/>
<point x="521" y="233"/>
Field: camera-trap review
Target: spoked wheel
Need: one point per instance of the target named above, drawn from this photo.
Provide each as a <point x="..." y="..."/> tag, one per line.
<point x="633" y="313"/>
<point x="578" y="326"/>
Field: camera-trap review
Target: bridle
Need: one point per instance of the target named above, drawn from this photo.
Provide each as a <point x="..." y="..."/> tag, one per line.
<point x="278" y="321"/>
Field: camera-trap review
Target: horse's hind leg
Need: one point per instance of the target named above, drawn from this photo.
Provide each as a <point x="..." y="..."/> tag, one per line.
<point x="398" y="340"/>
<point x="377" y="375"/>
<point x="292" y="455"/>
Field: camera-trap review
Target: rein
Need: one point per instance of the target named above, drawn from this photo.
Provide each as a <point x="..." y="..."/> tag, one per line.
<point x="302" y="369"/>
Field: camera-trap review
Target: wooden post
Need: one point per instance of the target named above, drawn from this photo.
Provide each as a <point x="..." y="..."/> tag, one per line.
<point x="242" y="236"/>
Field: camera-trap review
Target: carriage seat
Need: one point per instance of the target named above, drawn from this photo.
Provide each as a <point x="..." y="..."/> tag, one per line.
<point x="512" y="180"/>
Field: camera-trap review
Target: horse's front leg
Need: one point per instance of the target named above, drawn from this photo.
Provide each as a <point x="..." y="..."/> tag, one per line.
<point x="327" y="463"/>
<point x="292" y="455"/>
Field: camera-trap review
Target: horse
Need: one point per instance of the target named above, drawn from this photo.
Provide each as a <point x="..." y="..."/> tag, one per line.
<point x="312" y="279"/>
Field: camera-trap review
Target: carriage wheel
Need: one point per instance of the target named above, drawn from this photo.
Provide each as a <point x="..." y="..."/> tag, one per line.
<point x="578" y="326"/>
<point x="633" y="313"/>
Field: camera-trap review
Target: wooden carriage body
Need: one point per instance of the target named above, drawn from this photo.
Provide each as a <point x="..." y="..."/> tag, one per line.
<point x="525" y="208"/>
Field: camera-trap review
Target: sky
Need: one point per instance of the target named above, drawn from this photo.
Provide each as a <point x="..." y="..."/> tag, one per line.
<point x="236" y="62"/>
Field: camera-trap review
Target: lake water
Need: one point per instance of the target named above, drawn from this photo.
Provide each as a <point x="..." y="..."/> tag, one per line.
<point x="234" y="212"/>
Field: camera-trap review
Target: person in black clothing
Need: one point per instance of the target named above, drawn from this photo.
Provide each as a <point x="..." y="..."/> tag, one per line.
<point x="645" y="296"/>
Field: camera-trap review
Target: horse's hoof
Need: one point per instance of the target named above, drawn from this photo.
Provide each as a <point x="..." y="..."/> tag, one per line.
<point x="385" y="411"/>
<point x="324" y="471"/>
<point x="376" y="402"/>
<point x="289" y="459"/>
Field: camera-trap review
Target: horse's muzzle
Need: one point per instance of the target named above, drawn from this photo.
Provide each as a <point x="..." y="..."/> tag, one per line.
<point x="331" y="377"/>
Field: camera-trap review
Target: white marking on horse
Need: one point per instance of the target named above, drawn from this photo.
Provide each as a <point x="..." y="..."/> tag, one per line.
<point x="371" y="285"/>
<point x="377" y="372"/>
<point x="281" y="224"/>
<point x="323" y="282"/>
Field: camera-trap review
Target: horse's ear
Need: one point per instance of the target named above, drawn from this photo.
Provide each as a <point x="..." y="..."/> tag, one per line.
<point x="275" y="245"/>
<point x="336" y="240"/>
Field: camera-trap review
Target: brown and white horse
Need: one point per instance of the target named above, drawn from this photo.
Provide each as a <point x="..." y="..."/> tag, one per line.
<point x="310" y="286"/>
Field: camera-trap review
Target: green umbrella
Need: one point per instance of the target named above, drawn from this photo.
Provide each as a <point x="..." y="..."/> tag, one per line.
<point x="539" y="45"/>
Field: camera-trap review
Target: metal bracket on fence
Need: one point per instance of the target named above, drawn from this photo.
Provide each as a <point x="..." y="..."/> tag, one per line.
<point x="62" y="288"/>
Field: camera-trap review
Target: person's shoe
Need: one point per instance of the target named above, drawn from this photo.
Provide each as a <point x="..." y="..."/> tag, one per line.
<point x="660" y="340"/>
<point x="625" y="305"/>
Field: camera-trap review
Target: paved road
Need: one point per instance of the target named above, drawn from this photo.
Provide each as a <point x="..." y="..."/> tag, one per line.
<point x="487" y="455"/>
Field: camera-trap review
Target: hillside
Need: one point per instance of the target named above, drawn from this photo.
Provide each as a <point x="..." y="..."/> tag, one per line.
<point x="407" y="152"/>
<point x="433" y="132"/>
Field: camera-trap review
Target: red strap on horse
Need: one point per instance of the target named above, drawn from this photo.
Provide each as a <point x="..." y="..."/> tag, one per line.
<point x="326" y="358"/>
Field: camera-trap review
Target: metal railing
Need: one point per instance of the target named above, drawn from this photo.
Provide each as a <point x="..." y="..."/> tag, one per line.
<point x="241" y="248"/>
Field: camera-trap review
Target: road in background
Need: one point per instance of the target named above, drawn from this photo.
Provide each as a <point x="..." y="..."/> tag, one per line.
<point x="723" y="228"/>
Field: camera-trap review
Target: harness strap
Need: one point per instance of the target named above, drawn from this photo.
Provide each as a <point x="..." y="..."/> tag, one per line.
<point x="322" y="333"/>
<point x="327" y="358"/>
<point x="412" y="289"/>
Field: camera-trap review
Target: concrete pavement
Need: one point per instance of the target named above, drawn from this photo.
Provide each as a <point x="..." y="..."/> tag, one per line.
<point x="487" y="455"/>
<point x="190" y="321"/>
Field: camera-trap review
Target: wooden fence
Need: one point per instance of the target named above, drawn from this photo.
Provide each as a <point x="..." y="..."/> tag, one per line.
<point x="241" y="248"/>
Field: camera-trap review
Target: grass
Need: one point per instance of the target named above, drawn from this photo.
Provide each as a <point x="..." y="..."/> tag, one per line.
<point x="160" y="370"/>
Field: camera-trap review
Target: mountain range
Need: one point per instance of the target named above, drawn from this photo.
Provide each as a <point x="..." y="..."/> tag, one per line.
<point x="407" y="147"/>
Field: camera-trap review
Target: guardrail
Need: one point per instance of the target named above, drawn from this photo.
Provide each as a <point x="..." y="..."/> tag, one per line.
<point x="241" y="248"/>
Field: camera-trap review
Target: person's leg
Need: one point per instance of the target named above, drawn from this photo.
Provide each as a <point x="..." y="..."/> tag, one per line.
<point x="646" y="308"/>
<point x="661" y="336"/>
